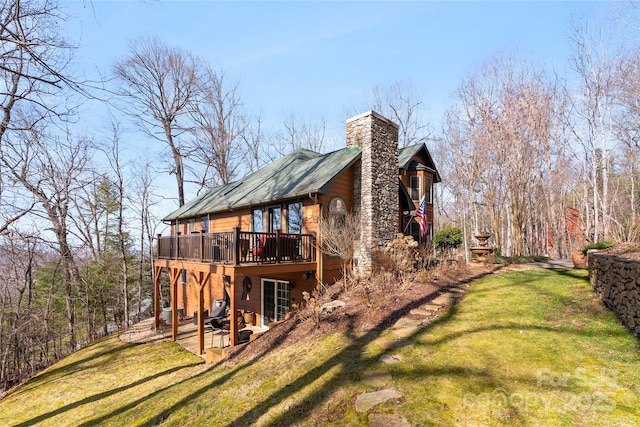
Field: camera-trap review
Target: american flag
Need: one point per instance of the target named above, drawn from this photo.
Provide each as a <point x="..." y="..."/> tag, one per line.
<point x="421" y="215"/>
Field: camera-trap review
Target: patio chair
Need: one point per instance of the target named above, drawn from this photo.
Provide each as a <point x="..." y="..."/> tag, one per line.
<point x="219" y="320"/>
<point x="218" y="309"/>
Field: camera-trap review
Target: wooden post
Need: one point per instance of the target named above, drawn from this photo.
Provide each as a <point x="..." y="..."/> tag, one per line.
<point x="156" y="295"/>
<point x="319" y="258"/>
<point x="278" y="245"/>
<point x="202" y="282"/>
<point x="236" y="245"/>
<point x="174" y="278"/>
<point x="202" y="246"/>
<point x="177" y="245"/>
<point x="233" y="312"/>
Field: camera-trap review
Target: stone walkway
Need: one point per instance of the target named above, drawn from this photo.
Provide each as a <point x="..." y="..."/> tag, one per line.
<point x="399" y="338"/>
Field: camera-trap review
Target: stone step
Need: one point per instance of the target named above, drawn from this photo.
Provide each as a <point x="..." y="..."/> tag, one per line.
<point x="390" y="358"/>
<point x="377" y="379"/>
<point x="446" y="299"/>
<point x="366" y="401"/>
<point x="387" y="420"/>
<point x="426" y="312"/>
<point x="404" y="322"/>
<point x="406" y="332"/>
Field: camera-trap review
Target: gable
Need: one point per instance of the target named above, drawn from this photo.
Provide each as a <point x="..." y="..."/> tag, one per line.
<point x="417" y="157"/>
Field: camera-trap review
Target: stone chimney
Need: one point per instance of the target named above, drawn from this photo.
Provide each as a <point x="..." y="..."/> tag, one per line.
<point x="376" y="183"/>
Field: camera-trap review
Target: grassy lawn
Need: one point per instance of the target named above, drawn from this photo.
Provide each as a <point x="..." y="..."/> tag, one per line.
<point x="529" y="347"/>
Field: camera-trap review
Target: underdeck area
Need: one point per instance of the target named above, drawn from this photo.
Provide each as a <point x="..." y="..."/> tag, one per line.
<point x="144" y="332"/>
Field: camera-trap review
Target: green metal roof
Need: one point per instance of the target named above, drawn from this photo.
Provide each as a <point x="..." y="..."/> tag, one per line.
<point x="405" y="154"/>
<point x="405" y="160"/>
<point x="298" y="174"/>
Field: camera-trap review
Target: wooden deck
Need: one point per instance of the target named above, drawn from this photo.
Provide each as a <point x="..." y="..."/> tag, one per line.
<point x="238" y="247"/>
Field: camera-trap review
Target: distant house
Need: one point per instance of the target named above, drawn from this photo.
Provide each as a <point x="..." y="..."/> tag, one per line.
<point x="253" y="241"/>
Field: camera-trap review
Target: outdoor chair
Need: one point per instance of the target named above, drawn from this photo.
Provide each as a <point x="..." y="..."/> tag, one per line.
<point x="219" y="320"/>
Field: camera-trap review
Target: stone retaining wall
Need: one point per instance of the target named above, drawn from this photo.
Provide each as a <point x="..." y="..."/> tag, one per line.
<point x="617" y="281"/>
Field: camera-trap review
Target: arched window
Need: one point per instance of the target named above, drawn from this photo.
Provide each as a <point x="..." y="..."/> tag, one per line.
<point x="337" y="209"/>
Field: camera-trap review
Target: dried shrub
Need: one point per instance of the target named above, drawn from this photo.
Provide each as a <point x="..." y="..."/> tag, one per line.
<point x="339" y="234"/>
<point x="309" y="308"/>
<point x="402" y="254"/>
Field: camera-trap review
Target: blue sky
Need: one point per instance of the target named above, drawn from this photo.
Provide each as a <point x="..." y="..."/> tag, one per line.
<point x="323" y="58"/>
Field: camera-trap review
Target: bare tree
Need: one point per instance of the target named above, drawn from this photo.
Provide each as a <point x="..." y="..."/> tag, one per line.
<point x="401" y="103"/>
<point x="498" y="141"/>
<point x="253" y="144"/>
<point x="338" y="237"/>
<point x="33" y="56"/>
<point x="18" y="320"/>
<point x="122" y="236"/>
<point x="162" y="82"/>
<point x="219" y="125"/>
<point x="51" y="169"/>
<point x="626" y="217"/>
<point x="298" y="132"/>
<point x="142" y="204"/>
<point x="590" y="118"/>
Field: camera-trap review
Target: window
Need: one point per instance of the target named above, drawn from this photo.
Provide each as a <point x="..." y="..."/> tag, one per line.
<point x="257" y="220"/>
<point x="294" y="218"/>
<point x="414" y="187"/>
<point x="183" y="277"/>
<point x="267" y="220"/>
<point x="191" y="225"/>
<point x="204" y="224"/>
<point x="428" y="188"/>
<point x="411" y="228"/>
<point x="337" y="209"/>
<point x="274" y="219"/>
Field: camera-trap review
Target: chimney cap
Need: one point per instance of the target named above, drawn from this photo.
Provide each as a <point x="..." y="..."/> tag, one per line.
<point x="374" y="114"/>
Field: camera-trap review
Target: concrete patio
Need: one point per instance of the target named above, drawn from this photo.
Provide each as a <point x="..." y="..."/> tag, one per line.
<point x="144" y="332"/>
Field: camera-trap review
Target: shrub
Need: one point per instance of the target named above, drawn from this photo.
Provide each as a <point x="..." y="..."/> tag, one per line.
<point x="605" y="244"/>
<point x="447" y="239"/>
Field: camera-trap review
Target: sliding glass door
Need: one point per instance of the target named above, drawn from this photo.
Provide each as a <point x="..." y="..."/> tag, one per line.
<point x="275" y="300"/>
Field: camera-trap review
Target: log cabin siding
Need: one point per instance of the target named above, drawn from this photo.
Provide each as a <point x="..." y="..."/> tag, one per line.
<point x="310" y="217"/>
<point x="188" y="294"/>
<point x="342" y="187"/>
<point x="221" y="222"/>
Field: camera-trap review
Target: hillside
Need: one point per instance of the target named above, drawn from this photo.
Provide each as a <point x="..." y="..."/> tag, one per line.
<point x="509" y="353"/>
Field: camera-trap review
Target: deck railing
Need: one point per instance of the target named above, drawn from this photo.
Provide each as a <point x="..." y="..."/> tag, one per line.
<point x="237" y="247"/>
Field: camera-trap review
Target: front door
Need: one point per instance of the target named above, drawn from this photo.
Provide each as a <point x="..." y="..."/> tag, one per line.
<point x="275" y="300"/>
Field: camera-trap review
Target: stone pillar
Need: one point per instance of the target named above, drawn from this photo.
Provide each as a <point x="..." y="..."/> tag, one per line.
<point x="375" y="183"/>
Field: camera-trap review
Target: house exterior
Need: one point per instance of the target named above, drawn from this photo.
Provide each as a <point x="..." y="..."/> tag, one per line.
<point x="254" y="242"/>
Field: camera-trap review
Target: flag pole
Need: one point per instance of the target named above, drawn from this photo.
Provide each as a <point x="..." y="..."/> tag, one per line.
<point x="413" y="215"/>
<point x="408" y="224"/>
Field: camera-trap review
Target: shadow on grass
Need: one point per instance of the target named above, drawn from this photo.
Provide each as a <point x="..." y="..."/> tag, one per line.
<point x="351" y="360"/>
<point x="63" y="370"/>
<point x="351" y="357"/>
<point x="99" y="396"/>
